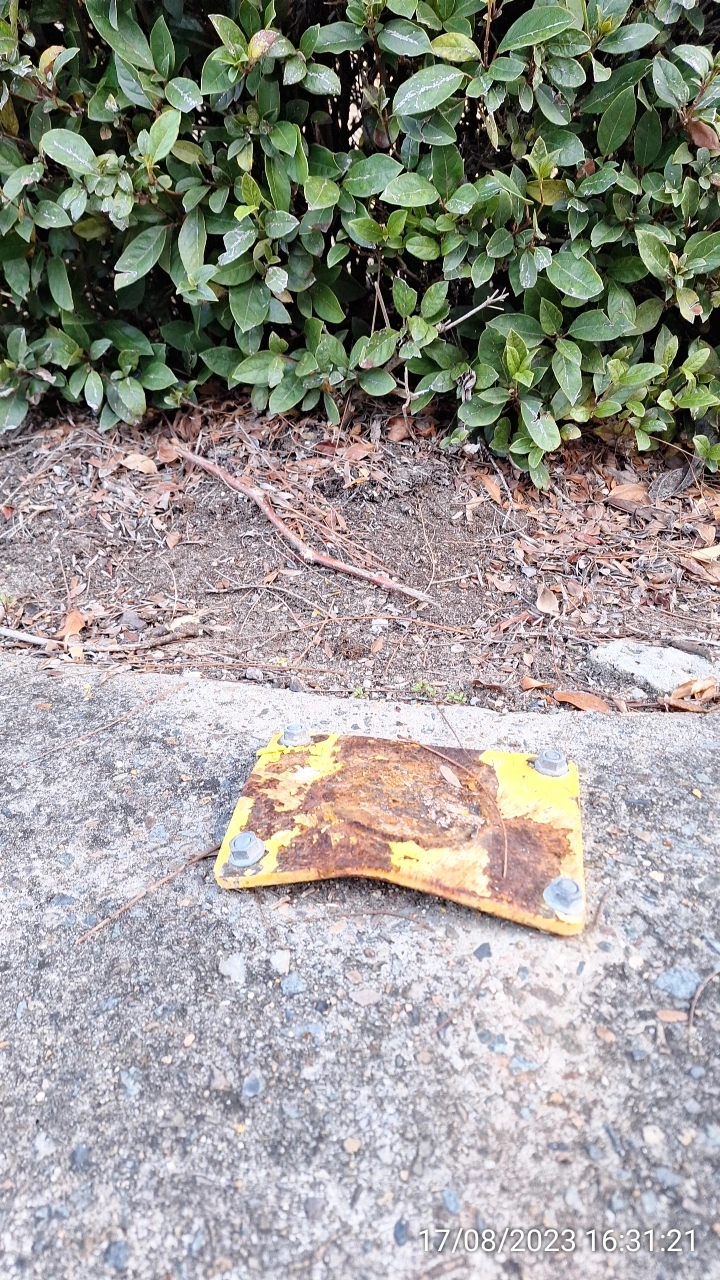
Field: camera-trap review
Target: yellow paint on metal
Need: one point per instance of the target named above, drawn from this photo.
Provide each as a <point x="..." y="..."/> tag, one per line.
<point x="367" y="807"/>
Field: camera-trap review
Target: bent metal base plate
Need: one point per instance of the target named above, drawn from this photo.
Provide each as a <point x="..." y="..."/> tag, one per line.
<point x="486" y="829"/>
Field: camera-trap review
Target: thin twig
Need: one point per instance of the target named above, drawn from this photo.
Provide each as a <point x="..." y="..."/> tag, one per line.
<point x="156" y="884"/>
<point x="72" y="742"/>
<point x="456" y="1013"/>
<point x="25" y="636"/>
<point x="493" y="301"/>
<point x="705" y="983"/>
<point x="261" y="499"/>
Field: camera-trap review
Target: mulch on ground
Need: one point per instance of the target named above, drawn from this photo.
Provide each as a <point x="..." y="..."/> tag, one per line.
<point x="118" y="552"/>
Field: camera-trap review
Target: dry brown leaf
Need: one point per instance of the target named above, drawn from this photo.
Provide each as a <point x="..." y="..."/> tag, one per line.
<point x="606" y="1035"/>
<point x="506" y="585"/>
<point x="547" y="602"/>
<point x="702" y="135"/>
<point x="527" y="683"/>
<point x="707" y="533"/>
<point x="583" y="701"/>
<point x="397" y="430"/>
<point x="166" y="452"/>
<point x="627" y="497"/>
<point x="491" y="487"/>
<point x="376" y="645"/>
<point x="703" y="690"/>
<point x="670" y="1015"/>
<point x="450" y="777"/>
<point x="73" y="624"/>
<point x="172" y="540"/>
<point x="682" y="704"/>
<point x="139" y="462"/>
<point x="355" y="452"/>
<point x="706" y="553"/>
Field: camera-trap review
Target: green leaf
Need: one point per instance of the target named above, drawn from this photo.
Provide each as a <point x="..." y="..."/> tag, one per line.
<point x="617" y="121"/>
<point x="69" y="149"/>
<point x="668" y="83"/>
<point x="448" y="170"/>
<point x="550" y="317"/>
<point x="574" y="276"/>
<point x="191" y="242"/>
<point x="410" y="191"/>
<point x="125" y="337"/>
<point x="321" y="80"/>
<point x="286" y="394"/>
<point x="404" y="297"/>
<point x="600" y="97"/>
<point x="566" y="367"/>
<point x="162" y="49"/>
<point x="435" y="301"/>
<point x="648" y="138"/>
<point x="125" y="38"/>
<point x="515" y="354"/>
<point x="278" y="225"/>
<point x="704" y="246"/>
<point x="543" y="431"/>
<point x="183" y="94"/>
<point x="264" y="369"/>
<point x="221" y="360"/>
<point x="238" y="241"/>
<point x="284" y="136"/>
<point x="653" y="253"/>
<point x="626" y="39"/>
<point x="371" y="176"/>
<point x="250" y="304"/>
<point x="500" y="244"/>
<point x="156" y="376"/>
<point x="50" y="216"/>
<point x="140" y="256"/>
<point x="93" y="390"/>
<point x="163" y="134"/>
<point x="423" y="247"/>
<point x="535" y="27"/>
<point x="426" y="90"/>
<point x="452" y="46"/>
<point x="326" y="305"/>
<point x="132" y="397"/>
<point x="321" y="193"/>
<point x="59" y="285"/>
<point x="404" y="39"/>
<point x="339" y="37"/>
<point x="553" y="107"/>
<point x="376" y="382"/>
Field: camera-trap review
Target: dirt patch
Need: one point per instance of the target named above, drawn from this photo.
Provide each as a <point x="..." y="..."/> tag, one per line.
<point x="114" y="551"/>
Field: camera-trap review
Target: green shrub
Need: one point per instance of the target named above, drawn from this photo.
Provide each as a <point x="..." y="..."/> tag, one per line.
<point x="302" y="207"/>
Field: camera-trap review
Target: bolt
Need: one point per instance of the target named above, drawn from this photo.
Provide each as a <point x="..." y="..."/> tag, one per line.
<point x="245" y="850"/>
<point x="295" y="735"/>
<point x="551" y="763"/>
<point x="564" y="896"/>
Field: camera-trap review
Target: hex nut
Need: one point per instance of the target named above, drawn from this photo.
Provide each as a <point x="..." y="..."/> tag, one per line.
<point x="245" y="850"/>
<point x="564" y="896"/>
<point x="551" y="763"/>
<point x="295" y="735"/>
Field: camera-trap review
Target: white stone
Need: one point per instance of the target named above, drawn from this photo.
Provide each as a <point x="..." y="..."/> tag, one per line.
<point x="652" y="667"/>
<point x="233" y="967"/>
<point x="280" y="962"/>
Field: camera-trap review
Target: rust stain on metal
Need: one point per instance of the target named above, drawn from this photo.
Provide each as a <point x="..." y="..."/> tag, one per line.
<point x="355" y="806"/>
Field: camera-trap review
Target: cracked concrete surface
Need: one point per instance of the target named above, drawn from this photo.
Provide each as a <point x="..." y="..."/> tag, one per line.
<point x="301" y="1083"/>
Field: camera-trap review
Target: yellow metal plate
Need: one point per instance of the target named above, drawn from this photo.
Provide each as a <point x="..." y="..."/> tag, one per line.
<point x="485" y="829"/>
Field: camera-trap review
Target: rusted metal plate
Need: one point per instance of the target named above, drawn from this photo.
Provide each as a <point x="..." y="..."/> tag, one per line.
<point x="485" y="829"/>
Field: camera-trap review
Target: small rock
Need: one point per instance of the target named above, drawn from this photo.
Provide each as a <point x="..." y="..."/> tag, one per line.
<point x="696" y="1073"/>
<point x="252" y="1085"/>
<point x="595" y="1153"/>
<point x="637" y="694"/>
<point x="451" y="1201"/>
<point x="401" y="1232"/>
<point x="79" y="1157"/>
<point x="518" y="1065"/>
<point x="293" y="985"/>
<point x="354" y="976"/>
<point x="352" y="1145"/>
<point x="572" y="1199"/>
<point x="692" y="1107"/>
<point x="314" y="1207"/>
<point x="617" y="1202"/>
<point x="218" y="1080"/>
<point x="234" y="968"/>
<point x="498" y="1044"/>
<point x="364" y="996"/>
<point x="483" y="952"/>
<point x="43" y="1145"/>
<point x="650" y="1204"/>
<point x="280" y="961"/>
<point x="666" y="1177"/>
<point x="606" y="1035"/>
<point x="659" y="669"/>
<point x="295" y="685"/>
<point x="652" y="1135"/>
<point x="116" y="1255"/>
<point x="712" y="1137"/>
<point x="130" y="1081"/>
<point x="254" y="673"/>
<point x="679" y="983"/>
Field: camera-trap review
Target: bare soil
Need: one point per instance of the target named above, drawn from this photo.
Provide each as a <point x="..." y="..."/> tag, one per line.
<point x="116" y="552"/>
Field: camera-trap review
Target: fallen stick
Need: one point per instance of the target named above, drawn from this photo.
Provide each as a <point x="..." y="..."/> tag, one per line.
<point x="173" y="637"/>
<point x="156" y="884"/>
<point x="25" y="636"/>
<point x="108" y="725"/>
<point x="244" y="486"/>
<point x="705" y="983"/>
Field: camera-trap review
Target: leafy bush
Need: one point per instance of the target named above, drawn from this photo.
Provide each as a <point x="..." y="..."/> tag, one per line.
<point x="302" y="206"/>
